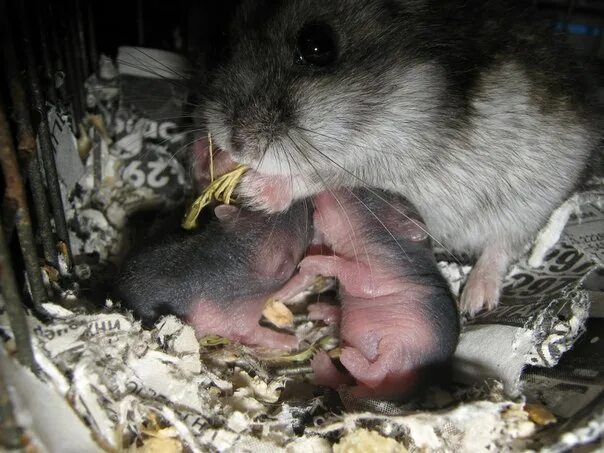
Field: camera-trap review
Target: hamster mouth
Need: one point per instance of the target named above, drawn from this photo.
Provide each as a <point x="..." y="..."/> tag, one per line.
<point x="209" y="157"/>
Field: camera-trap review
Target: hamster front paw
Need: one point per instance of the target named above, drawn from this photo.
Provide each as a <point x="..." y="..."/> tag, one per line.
<point x="271" y="194"/>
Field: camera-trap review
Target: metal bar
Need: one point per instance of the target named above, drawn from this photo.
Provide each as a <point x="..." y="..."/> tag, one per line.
<point x="48" y="67"/>
<point x="15" y="197"/>
<point x="72" y="81"/>
<point x="81" y="40"/>
<point x="48" y="158"/>
<point x="10" y="432"/>
<point x="92" y="50"/>
<point x="48" y="8"/>
<point x="70" y="89"/>
<point x="14" y="307"/>
<point x="569" y="11"/>
<point x="73" y="49"/>
<point x="27" y="146"/>
<point x="15" y="193"/>
<point x="597" y="45"/>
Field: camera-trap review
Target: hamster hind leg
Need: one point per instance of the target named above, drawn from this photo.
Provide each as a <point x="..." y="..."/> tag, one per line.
<point x="483" y="288"/>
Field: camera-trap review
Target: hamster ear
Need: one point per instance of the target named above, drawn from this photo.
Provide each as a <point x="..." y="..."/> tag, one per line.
<point x="226" y="212"/>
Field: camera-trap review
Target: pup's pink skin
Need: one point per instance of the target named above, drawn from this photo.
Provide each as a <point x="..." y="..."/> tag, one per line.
<point x="381" y="333"/>
<point x="384" y="332"/>
<point x="239" y="323"/>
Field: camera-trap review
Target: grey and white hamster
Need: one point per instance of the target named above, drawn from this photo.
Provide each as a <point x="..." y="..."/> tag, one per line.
<point x="468" y="109"/>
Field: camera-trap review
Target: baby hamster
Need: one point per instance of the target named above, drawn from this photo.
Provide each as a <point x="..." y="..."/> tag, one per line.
<point x="398" y="320"/>
<point x="219" y="276"/>
<point x="469" y="109"/>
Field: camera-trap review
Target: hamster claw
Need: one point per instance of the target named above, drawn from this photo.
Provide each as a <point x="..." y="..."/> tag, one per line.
<point x="479" y="294"/>
<point x="483" y="288"/>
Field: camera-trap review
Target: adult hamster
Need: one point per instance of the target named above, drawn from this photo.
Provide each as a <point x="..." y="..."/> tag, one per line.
<point x="468" y="109"/>
<point x="219" y="276"/>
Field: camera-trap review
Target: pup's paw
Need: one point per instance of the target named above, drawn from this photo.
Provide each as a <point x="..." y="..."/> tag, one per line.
<point x="327" y="313"/>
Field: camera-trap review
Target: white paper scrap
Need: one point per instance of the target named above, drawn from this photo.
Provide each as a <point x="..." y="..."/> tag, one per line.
<point x="508" y="347"/>
<point x="44" y="413"/>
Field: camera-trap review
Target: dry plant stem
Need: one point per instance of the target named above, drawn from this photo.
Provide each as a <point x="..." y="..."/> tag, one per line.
<point x="220" y="189"/>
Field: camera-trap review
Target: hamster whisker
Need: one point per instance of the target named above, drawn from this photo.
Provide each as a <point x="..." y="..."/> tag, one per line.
<point x="367" y="254"/>
<point x="153" y="69"/>
<point x="184" y="147"/>
<point x="159" y="119"/>
<point x="353" y="237"/>
<point x="376" y="194"/>
<point x="159" y="100"/>
<point x="349" y="145"/>
<point x="262" y="156"/>
<point x="281" y="151"/>
<point x="306" y="201"/>
<point x="374" y="215"/>
<point x="275" y="220"/>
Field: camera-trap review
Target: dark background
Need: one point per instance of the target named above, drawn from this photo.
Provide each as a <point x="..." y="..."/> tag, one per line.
<point x="156" y="23"/>
<point x="119" y="22"/>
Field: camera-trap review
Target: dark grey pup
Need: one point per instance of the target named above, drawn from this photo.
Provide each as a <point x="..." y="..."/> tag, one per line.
<point x="469" y="109"/>
<point x="219" y="276"/>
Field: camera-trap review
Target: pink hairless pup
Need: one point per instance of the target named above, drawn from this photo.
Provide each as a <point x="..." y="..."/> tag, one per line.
<point x="398" y="321"/>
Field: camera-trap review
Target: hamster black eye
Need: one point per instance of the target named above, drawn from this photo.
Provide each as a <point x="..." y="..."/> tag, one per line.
<point x="316" y="45"/>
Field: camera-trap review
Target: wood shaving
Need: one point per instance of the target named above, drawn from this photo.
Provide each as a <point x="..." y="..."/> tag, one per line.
<point x="365" y="441"/>
<point x="278" y="314"/>
<point x="540" y="415"/>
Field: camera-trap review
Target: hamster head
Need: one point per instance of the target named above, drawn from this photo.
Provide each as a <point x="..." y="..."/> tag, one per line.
<point x="312" y="86"/>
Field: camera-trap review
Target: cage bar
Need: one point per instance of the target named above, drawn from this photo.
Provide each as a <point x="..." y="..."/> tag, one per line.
<point x="50" y="169"/>
<point x="10" y="432"/>
<point x="92" y="49"/>
<point x="27" y="148"/>
<point x="15" y="198"/>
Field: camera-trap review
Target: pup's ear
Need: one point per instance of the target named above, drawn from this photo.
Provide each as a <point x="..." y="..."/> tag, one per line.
<point x="226" y="212"/>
